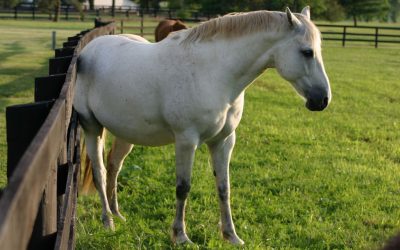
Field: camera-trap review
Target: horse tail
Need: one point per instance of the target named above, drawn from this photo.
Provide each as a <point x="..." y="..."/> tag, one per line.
<point x="86" y="185"/>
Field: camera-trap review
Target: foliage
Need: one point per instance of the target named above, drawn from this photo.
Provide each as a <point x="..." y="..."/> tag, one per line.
<point x="9" y="3"/>
<point x="335" y="12"/>
<point x="394" y="9"/>
<point x="365" y="8"/>
<point x="332" y="10"/>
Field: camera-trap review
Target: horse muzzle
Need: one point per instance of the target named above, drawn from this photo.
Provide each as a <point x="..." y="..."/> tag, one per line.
<point x="317" y="104"/>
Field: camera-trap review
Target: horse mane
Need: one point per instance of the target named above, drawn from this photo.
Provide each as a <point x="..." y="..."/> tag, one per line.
<point x="239" y="24"/>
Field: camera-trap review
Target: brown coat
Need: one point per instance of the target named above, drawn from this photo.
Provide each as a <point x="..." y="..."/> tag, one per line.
<point x="167" y="26"/>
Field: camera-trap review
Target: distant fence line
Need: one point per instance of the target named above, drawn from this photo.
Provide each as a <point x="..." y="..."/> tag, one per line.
<point x="371" y="34"/>
<point x="132" y="20"/>
<point x="67" y="12"/>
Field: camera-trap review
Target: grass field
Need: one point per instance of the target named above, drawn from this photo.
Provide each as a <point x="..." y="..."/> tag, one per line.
<point x="300" y="180"/>
<point x="25" y="48"/>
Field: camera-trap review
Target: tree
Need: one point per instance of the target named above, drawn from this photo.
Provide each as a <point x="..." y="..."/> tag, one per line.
<point x="394" y="10"/>
<point x="335" y="12"/>
<point x="9" y="3"/>
<point x="365" y="8"/>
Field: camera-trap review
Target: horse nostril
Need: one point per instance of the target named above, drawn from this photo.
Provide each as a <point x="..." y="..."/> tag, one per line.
<point x="325" y="102"/>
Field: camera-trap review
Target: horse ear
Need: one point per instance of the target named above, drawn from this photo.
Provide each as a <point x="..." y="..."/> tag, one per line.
<point x="306" y="12"/>
<point x="293" y="21"/>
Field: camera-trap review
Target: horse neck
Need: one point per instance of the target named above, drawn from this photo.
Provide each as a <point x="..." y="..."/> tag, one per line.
<point x="238" y="61"/>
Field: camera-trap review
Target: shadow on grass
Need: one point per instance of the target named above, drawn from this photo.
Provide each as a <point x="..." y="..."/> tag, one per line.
<point x="24" y="82"/>
<point x="12" y="50"/>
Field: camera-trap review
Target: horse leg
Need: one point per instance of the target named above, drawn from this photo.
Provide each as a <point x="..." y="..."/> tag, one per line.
<point x="184" y="154"/>
<point x="94" y="145"/>
<point x="221" y="153"/>
<point x="120" y="149"/>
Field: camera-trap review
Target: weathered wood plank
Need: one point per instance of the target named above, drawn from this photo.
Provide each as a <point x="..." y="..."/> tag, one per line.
<point x="48" y="87"/>
<point x="74" y="38"/>
<point x="59" y="65"/>
<point x="28" y="181"/>
<point x="63" y="228"/>
<point x="67" y="213"/>
<point x="70" y="43"/>
<point x="66" y="51"/>
<point x="23" y="122"/>
<point x="77" y="160"/>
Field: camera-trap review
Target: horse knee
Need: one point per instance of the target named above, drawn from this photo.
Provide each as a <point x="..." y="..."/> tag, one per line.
<point x="223" y="192"/>
<point x="182" y="189"/>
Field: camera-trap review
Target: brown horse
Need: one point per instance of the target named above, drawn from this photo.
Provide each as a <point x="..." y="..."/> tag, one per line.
<point x="167" y="26"/>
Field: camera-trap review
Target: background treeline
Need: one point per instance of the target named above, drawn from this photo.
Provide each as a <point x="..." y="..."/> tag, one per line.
<point x="331" y="10"/>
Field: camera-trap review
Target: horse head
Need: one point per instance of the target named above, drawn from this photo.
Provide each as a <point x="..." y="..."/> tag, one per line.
<point x="298" y="59"/>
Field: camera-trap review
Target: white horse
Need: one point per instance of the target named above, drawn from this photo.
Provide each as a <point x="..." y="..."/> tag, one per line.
<point x="189" y="89"/>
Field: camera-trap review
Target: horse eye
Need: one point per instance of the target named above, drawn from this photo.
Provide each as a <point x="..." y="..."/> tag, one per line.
<point x="308" y="53"/>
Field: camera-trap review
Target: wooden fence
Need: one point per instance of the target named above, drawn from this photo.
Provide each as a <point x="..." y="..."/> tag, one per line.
<point x="366" y="34"/>
<point x="68" y="12"/>
<point x="38" y="206"/>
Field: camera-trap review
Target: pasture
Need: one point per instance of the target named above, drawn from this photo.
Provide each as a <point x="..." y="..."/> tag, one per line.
<point x="300" y="180"/>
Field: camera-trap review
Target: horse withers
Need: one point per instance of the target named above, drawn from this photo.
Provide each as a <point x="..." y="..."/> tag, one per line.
<point x="167" y="26"/>
<point x="133" y="89"/>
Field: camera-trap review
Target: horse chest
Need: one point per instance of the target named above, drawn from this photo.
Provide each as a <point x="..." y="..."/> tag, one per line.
<point x="209" y="119"/>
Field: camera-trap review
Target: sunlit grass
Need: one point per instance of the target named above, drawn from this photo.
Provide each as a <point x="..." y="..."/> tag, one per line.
<point x="300" y="180"/>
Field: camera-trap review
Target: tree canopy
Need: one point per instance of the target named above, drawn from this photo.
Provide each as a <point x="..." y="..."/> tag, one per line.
<point x="332" y="10"/>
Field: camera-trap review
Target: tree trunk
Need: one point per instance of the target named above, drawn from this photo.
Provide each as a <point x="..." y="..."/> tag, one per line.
<point x="113" y="8"/>
<point x="355" y="20"/>
<point x="57" y="8"/>
<point x="91" y="4"/>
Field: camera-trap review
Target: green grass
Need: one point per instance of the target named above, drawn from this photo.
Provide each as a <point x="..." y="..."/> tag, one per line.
<point x="25" y="48"/>
<point x="300" y="180"/>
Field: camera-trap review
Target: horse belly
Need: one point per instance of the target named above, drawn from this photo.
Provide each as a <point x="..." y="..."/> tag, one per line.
<point x="139" y="131"/>
<point x="135" y="117"/>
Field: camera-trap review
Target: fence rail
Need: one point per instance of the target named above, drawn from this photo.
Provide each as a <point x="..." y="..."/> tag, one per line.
<point x="68" y="12"/>
<point x="369" y="34"/>
<point x="37" y="207"/>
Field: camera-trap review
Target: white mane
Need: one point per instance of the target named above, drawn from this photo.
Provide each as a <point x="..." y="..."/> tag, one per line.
<point x="239" y="24"/>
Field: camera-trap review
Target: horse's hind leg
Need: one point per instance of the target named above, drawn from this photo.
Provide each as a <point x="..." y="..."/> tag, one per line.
<point x="95" y="146"/>
<point x="120" y="149"/>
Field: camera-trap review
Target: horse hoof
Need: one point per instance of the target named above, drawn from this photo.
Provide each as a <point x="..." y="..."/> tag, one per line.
<point x="181" y="239"/>
<point x="233" y="239"/>
<point x="119" y="215"/>
<point x="236" y="241"/>
<point x="109" y="224"/>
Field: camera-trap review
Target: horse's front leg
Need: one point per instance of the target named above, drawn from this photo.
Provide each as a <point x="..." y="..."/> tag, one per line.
<point x="184" y="154"/>
<point x="221" y="153"/>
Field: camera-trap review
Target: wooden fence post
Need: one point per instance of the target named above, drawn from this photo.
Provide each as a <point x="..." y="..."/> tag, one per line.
<point x="67" y="12"/>
<point x="141" y="24"/>
<point x="376" y="37"/>
<point x="33" y="10"/>
<point x="344" y="36"/>
<point x="49" y="87"/>
<point x="59" y="65"/>
<point x="122" y="26"/>
<point x="23" y="122"/>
